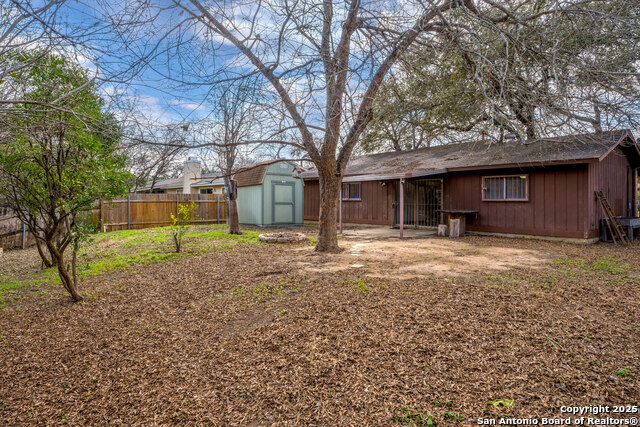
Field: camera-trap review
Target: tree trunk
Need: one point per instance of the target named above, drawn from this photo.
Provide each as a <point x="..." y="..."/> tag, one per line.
<point x="232" y="206"/>
<point x="46" y="262"/>
<point x="63" y="272"/>
<point x="74" y="260"/>
<point x="177" y="240"/>
<point x="328" y="227"/>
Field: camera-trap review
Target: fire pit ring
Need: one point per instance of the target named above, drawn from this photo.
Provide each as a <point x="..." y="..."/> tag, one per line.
<point x="283" y="237"/>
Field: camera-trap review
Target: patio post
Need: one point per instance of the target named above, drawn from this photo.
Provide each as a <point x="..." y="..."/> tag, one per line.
<point x="401" y="207"/>
<point x="340" y="209"/>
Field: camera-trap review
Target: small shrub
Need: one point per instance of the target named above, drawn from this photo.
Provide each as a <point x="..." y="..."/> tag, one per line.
<point x="452" y="416"/>
<point x="623" y="373"/>
<point x="609" y="265"/>
<point x="413" y="417"/>
<point x="501" y="402"/>
<point x="187" y="213"/>
<point x="359" y="285"/>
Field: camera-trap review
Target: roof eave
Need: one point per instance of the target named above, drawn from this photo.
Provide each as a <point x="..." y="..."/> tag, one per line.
<point x="525" y="164"/>
<point x="381" y="177"/>
<point x="385" y="177"/>
<point x="617" y="143"/>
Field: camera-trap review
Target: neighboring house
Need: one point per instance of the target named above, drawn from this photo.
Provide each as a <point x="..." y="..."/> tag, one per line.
<point x="191" y="182"/>
<point x="542" y="188"/>
<point x="270" y="193"/>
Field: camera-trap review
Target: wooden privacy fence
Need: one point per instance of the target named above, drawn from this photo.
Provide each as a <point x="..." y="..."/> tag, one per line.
<point x="154" y="210"/>
<point x="13" y="234"/>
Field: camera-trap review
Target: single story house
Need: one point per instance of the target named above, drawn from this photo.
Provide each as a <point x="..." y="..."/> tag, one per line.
<point x="544" y="187"/>
<point x="270" y="193"/>
<point x="192" y="181"/>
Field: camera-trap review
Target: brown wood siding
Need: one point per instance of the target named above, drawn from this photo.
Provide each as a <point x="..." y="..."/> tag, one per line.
<point x="616" y="178"/>
<point x="375" y="206"/>
<point x="557" y="197"/>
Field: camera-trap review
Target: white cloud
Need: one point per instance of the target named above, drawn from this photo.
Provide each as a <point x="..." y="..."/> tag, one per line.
<point x="186" y="105"/>
<point x="150" y="109"/>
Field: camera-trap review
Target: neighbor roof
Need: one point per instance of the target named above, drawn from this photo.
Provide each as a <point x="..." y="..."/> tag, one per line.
<point x="476" y="155"/>
<point x="206" y="180"/>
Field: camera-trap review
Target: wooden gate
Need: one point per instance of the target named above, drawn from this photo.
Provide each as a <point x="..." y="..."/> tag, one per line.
<point x="422" y="200"/>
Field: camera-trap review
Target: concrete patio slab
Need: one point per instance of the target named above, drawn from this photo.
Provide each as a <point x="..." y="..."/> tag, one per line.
<point x="387" y="233"/>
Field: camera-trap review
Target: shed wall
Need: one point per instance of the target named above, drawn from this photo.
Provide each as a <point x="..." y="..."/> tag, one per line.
<point x="250" y="205"/>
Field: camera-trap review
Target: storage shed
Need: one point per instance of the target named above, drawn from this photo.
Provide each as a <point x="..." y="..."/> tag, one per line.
<point x="270" y="193"/>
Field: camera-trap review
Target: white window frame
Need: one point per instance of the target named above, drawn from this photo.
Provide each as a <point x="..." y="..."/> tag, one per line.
<point x="525" y="177"/>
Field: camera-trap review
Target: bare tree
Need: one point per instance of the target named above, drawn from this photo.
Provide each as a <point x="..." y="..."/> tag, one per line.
<point x="235" y="111"/>
<point x="153" y="150"/>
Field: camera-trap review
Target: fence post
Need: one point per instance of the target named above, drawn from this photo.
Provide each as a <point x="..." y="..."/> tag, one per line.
<point x="103" y="226"/>
<point x="177" y="205"/>
<point x="24" y="235"/>
<point x="218" y="208"/>
<point x="129" y="211"/>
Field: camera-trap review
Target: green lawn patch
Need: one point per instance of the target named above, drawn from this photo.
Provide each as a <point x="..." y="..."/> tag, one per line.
<point x="117" y="250"/>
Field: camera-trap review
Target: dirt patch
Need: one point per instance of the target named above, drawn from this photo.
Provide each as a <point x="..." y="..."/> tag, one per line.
<point x="413" y="258"/>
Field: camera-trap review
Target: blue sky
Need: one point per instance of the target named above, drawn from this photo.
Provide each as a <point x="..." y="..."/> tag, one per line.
<point x="157" y="97"/>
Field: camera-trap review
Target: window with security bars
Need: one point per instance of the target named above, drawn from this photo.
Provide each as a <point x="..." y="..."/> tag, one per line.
<point x="505" y="188"/>
<point x="351" y="191"/>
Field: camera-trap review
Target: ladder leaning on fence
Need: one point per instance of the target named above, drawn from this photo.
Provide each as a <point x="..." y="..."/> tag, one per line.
<point x="615" y="229"/>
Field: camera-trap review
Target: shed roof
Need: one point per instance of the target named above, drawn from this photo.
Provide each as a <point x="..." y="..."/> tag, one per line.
<point x="479" y="155"/>
<point x="253" y="174"/>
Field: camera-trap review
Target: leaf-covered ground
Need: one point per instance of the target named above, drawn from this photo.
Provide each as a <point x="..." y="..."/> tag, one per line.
<point x="236" y="333"/>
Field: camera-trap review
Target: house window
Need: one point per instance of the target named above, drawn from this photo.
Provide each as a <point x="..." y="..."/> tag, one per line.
<point x="351" y="191"/>
<point x="206" y="191"/>
<point x="505" y="188"/>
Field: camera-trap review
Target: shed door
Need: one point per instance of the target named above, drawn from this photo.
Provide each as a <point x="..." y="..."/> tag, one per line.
<point x="283" y="203"/>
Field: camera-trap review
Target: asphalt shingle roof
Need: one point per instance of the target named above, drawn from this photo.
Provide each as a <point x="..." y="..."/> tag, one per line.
<point x="204" y="181"/>
<point x="442" y="158"/>
<point x="253" y="174"/>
